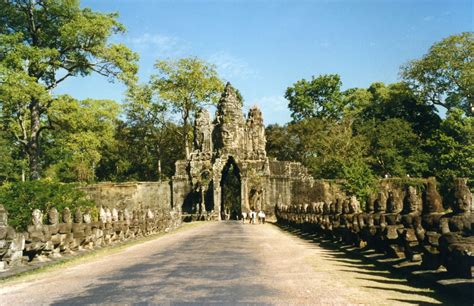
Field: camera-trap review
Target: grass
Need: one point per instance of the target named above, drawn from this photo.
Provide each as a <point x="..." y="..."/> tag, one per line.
<point x="87" y="255"/>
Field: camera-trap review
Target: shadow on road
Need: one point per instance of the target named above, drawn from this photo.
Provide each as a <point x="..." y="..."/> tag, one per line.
<point x="377" y="276"/>
<point x="199" y="269"/>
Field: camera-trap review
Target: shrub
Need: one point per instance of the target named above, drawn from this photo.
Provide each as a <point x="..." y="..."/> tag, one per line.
<point x="20" y="199"/>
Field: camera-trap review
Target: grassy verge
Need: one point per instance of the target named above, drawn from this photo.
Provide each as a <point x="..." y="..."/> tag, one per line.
<point x="34" y="270"/>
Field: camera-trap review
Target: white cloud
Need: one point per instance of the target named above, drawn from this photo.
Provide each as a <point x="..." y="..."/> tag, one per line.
<point x="160" y="44"/>
<point x="274" y="109"/>
<point x="231" y="67"/>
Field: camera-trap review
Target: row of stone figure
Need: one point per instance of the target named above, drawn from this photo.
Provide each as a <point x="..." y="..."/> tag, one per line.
<point x="66" y="233"/>
<point x="409" y="226"/>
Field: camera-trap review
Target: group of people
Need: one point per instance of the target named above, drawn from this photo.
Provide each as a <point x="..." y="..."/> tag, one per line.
<point x="253" y="217"/>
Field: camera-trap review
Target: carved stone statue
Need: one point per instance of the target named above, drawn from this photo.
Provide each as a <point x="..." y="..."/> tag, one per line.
<point x="203" y="132"/>
<point x="456" y="244"/>
<point x="53" y="216"/>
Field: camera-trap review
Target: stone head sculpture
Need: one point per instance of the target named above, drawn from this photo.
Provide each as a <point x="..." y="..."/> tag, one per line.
<point x="345" y="206"/>
<point x="354" y="206"/>
<point x="115" y="216"/>
<point x="87" y="218"/>
<point x="432" y="202"/>
<point x="78" y="216"/>
<point x="37" y="217"/>
<point x="3" y="216"/>
<point x="108" y="215"/>
<point x="381" y="202"/>
<point x="126" y="215"/>
<point x="462" y="196"/>
<point x="369" y="204"/>
<point x="394" y="202"/>
<point x="53" y="216"/>
<point x="67" y="215"/>
<point x="412" y="200"/>
<point x="102" y="215"/>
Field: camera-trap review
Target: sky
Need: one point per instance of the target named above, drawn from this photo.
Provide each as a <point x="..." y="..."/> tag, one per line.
<point x="263" y="47"/>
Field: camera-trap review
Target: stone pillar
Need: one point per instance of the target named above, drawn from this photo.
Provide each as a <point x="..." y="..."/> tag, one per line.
<point x="244" y="194"/>
<point x="217" y="196"/>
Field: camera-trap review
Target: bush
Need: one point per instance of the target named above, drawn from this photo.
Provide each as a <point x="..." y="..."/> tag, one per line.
<point x="20" y="199"/>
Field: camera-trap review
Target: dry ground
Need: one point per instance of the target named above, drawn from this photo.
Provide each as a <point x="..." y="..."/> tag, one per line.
<point x="221" y="263"/>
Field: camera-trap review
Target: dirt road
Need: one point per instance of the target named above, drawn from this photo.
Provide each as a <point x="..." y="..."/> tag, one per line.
<point x="220" y="262"/>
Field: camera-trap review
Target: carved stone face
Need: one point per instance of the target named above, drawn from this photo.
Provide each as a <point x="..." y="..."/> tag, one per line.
<point x="102" y="215"/>
<point x="345" y="206"/>
<point x="354" y="205"/>
<point x="87" y="218"/>
<point x="37" y="217"/>
<point x="326" y="207"/>
<point x="413" y="201"/>
<point x="462" y="197"/>
<point x="78" y="216"/>
<point x="114" y="215"/>
<point x="67" y="215"/>
<point x="394" y="204"/>
<point x="126" y="215"/>
<point x="53" y="216"/>
<point x="3" y="216"/>
<point x="381" y="202"/>
<point x="369" y="204"/>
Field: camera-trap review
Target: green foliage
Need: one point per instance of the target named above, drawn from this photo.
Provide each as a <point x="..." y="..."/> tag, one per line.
<point x="20" y="199"/>
<point x="81" y="131"/>
<point x="453" y="146"/>
<point x="319" y="98"/>
<point x="444" y="76"/>
<point x="145" y="142"/>
<point x="187" y="84"/>
<point x="43" y="43"/>
<point x="394" y="148"/>
<point x="358" y="179"/>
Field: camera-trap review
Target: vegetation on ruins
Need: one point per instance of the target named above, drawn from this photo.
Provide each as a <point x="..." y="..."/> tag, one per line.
<point x="421" y="126"/>
<point x="187" y="84"/>
<point x="42" y="195"/>
<point x="386" y="130"/>
<point x="43" y="43"/>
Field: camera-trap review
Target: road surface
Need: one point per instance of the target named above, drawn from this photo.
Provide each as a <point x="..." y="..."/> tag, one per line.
<point x="218" y="263"/>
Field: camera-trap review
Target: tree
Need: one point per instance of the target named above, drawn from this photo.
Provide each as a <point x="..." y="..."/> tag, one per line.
<point x="43" y="43"/>
<point x="147" y="142"/>
<point x="187" y="84"/>
<point x="452" y="147"/>
<point x="444" y="76"/>
<point x="281" y="143"/>
<point x="319" y="98"/>
<point x="82" y="131"/>
<point x="381" y="102"/>
<point x="394" y="148"/>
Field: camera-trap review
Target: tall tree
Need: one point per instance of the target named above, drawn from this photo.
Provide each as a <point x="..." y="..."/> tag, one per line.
<point x="320" y="97"/>
<point x="444" y="76"/>
<point x="187" y="84"/>
<point x="82" y="131"/>
<point x="43" y="43"/>
<point x="147" y="142"/>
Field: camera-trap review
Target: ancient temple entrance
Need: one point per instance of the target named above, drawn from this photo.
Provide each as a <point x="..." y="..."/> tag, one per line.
<point x="231" y="192"/>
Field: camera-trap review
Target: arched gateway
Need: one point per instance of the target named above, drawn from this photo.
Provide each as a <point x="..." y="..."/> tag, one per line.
<point x="228" y="171"/>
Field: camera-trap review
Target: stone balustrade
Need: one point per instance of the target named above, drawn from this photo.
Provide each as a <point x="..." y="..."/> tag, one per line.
<point x="68" y="232"/>
<point x="405" y="224"/>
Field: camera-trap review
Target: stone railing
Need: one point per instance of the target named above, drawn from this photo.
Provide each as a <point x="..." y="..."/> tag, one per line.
<point x="69" y="232"/>
<point x="404" y="224"/>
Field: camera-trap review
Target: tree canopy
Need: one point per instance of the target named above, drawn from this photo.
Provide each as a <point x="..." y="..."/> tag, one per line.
<point x="43" y="43"/>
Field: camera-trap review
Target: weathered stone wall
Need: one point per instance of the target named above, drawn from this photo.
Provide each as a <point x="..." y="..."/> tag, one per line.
<point x="124" y="211"/>
<point x="131" y="195"/>
<point x="405" y="218"/>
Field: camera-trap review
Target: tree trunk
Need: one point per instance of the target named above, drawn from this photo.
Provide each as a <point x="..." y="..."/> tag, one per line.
<point x="185" y="132"/>
<point x="32" y="147"/>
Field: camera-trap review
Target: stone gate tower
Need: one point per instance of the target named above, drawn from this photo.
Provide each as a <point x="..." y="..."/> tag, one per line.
<point x="230" y="141"/>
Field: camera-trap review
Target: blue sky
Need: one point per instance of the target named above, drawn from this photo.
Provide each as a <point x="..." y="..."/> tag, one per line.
<point x="262" y="47"/>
